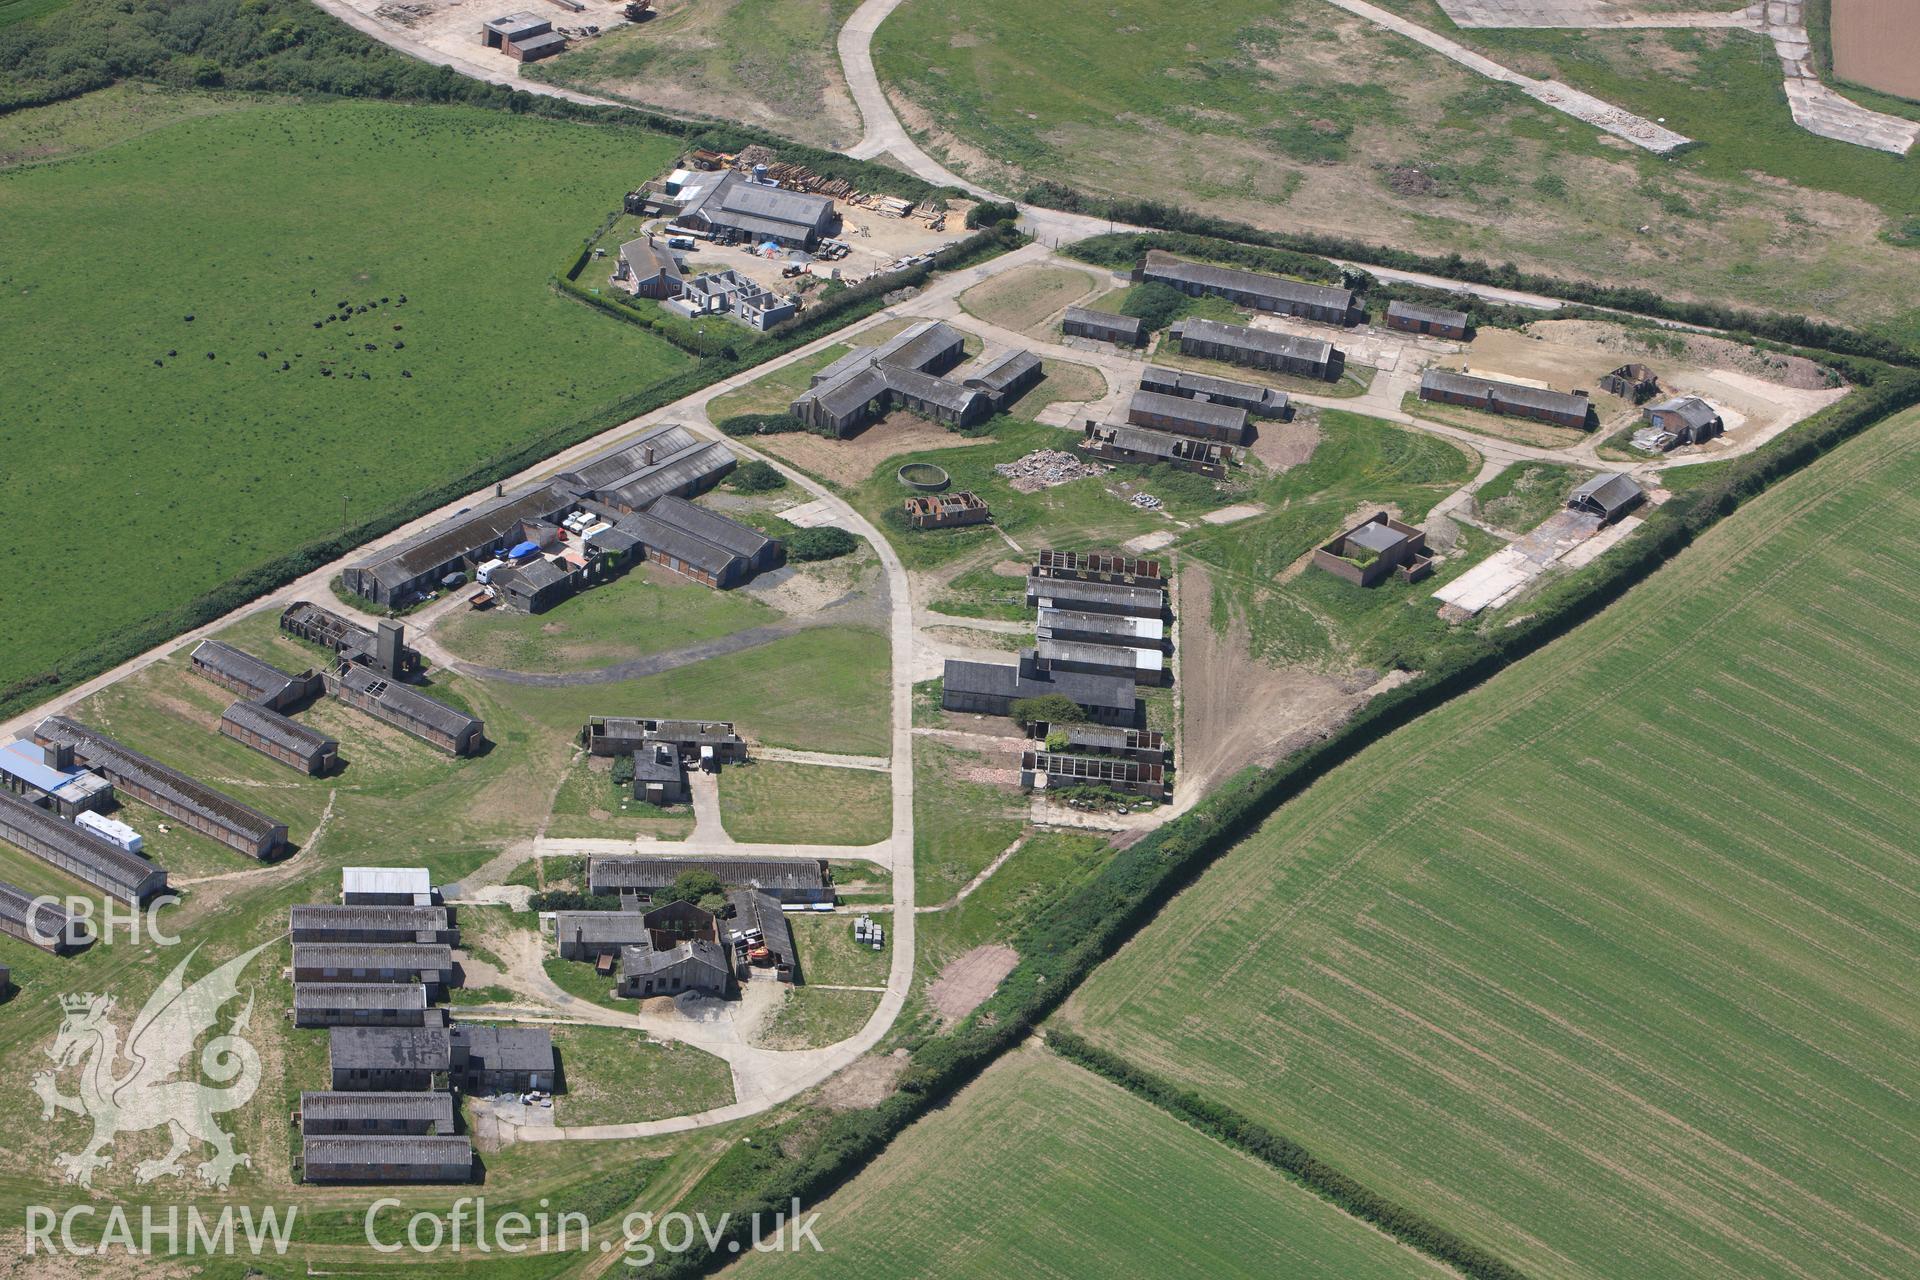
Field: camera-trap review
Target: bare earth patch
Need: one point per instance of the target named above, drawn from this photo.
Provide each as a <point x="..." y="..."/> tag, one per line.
<point x="867" y="1083"/>
<point x="963" y="984"/>
<point x="1286" y="444"/>
<point x="1237" y="710"/>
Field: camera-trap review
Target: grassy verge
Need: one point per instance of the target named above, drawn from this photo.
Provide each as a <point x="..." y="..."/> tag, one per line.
<point x="776" y="802"/>
<point x="959" y="824"/>
<point x="615" y="1076"/>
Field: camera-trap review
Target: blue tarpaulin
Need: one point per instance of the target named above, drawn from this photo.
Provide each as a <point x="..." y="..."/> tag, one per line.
<point x="524" y="549"/>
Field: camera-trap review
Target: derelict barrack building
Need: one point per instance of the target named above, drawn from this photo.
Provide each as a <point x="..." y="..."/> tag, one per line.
<point x="1329" y="304"/>
<point x="78" y="852"/>
<point x="236" y="825"/>
<point x="408" y="709"/>
<point x="1255" y="348"/>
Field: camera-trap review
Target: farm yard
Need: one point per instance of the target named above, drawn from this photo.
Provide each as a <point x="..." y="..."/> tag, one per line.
<point x="1301" y="116"/>
<point x="1631" y="917"/>
<point x="1039" y="1160"/>
<point x="258" y="380"/>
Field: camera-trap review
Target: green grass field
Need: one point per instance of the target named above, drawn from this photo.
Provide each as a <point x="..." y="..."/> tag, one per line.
<point x="1626" y="935"/>
<point x="12" y="11"/>
<point x="643" y="613"/>
<point x="1041" y="1168"/>
<point x="1069" y="514"/>
<point x="1021" y="300"/>
<point x="773" y="392"/>
<point x="588" y="805"/>
<point x="166" y="474"/>
<point x="815" y="1017"/>
<point x="1048" y="864"/>
<point x="1295" y="116"/>
<point x="618" y="1077"/>
<point x="775" y="802"/>
<point x="822" y="689"/>
<point x="960" y="824"/>
<point x="829" y="954"/>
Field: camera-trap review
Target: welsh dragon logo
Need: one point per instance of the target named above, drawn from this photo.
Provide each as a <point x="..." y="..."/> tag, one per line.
<point x="146" y="1094"/>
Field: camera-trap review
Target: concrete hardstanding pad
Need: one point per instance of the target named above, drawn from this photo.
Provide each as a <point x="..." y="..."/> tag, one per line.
<point x="1815" y="107"/>
<point x="1639" y="131"/>
<point x="811" y="515"/>
<point x="1507" y="571"/>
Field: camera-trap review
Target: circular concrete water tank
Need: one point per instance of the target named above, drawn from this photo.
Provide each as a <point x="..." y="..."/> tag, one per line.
<point x="925" y="477"/>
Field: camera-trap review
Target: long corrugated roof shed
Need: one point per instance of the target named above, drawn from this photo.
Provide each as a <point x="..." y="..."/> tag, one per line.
<point x="400" y="996"/>
<point x="241" y="667"/>
<point x="432" y="1109"/>
<point x="711" y="526"/>
<point x="1107" y="320"/>
<point x="1472" y="384"/>
<point x="335" y="915"/>
<point x="918" y="346"/>
<point x="1225" y="416"/>
<point x="1418" y="311"/>
<point x="507" y="1048"/>
<point x="1130" y="657"/>
<point x="950" y="395"/>
<point x="665" y="535"/>
<point x="278" y="729"/>
<point x="1000" y="680"/>
<point x="462" y="534"/>
<point x="376" y="1152"/>
<point x="1181" y="382"/>
<point x="849" y="391"/>
<point x="416" y="956"/>
<point x="390" y="1048"/>
<point x="407" y="702"/>
<point x="1119" y="625"/>
<point x="17" y="906"/>
<point x="997" y="375"/>
<point x="623" y="461"/>
<point x="103" y="865"/>
<point x="1164" y="266"/>
<point x="698" y="468"/>
<point x="1288" y="345"/>
<point x="119" y="761"/>
<point x="599" y="927"/>
<point x="1064" y="590"/>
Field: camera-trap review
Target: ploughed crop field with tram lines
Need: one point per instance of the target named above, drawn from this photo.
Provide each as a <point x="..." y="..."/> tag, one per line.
<point x="1609" y="966"/>
<point x="1042" y="1168"/>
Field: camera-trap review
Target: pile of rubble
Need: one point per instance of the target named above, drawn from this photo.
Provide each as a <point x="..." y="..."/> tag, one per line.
<point x="1045" y="468"/>
<point x="1147" y="502"/>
